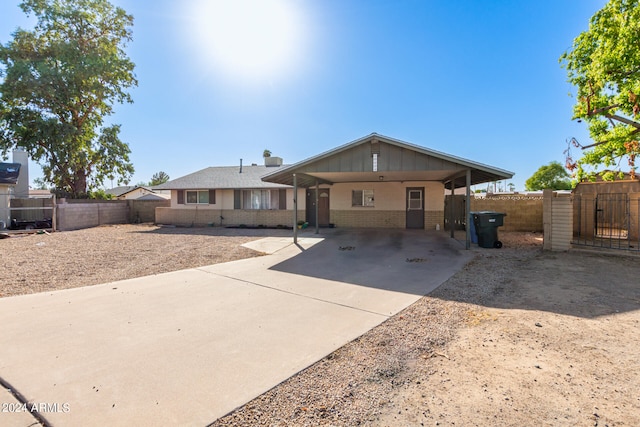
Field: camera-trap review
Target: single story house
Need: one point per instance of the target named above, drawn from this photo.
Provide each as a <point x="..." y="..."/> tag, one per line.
<point x="228" y="195"/>
<point x="374" y="181"/>
<point x="134" y="192"/>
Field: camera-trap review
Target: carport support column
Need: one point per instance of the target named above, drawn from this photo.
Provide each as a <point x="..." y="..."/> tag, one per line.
<point x="317" y="199"/>
<point x="295" y="209"/>
<point x="467" y="210"/>
<point x="452" y="211"/>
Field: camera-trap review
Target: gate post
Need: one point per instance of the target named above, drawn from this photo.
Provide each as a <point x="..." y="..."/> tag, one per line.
<point x="557" y="220"/>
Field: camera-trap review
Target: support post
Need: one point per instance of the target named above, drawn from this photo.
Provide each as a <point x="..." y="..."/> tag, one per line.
<point x="317" y="209"/>
<point x="452" y="215"/>
<point x="467" y="209"/>
<point x="295" y="209"/>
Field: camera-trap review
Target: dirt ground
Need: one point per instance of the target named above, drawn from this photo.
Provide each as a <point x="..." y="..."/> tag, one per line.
<point x="519" y="337"/>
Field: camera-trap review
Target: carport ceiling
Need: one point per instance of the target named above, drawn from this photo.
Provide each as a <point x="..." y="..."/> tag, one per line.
<point x="396" y="161"/>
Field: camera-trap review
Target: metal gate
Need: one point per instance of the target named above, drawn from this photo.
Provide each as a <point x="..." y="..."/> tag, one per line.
<point x="454" y="212"/>
<point x="608" y="220"/>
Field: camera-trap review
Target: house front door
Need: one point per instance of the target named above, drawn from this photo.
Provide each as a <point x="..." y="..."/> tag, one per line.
<point x="415" y="208"/>
<point x="323" y="207"/>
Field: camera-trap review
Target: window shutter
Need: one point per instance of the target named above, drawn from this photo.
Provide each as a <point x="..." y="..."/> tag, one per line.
<point x="212" y="197"/>
<point x="181" y="197"/>
<point x="237" y="199"/>
<point x="283" y="199"/>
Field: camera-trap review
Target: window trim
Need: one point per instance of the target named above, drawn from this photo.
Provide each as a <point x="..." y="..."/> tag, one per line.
<point x="366" y="198"/>
<point x="198" y="195"/>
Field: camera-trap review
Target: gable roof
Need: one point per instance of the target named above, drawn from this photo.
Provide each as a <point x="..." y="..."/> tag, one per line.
<point x="118" y="191"/>
<point x="223" y="177"/>
<point x="396" y="161"/>
<point x="9" y="173"/>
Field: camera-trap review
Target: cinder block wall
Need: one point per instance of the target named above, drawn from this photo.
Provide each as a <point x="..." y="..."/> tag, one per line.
<point x="145" y="210"/>
<point x="203" y="217"/>
<point x="76" y="216"/>
<point x="367" y="218"/>
<point x="523" y="213"/>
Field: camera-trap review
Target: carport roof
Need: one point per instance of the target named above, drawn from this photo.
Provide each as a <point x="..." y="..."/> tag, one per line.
<point x="396" y="161"/>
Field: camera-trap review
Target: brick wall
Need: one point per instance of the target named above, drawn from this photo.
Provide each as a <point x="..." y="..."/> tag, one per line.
<point x="203" y="217"/>
<point x="365" y="218"/>
<point x="433" y="219"/>
<point x="524" y="213"/>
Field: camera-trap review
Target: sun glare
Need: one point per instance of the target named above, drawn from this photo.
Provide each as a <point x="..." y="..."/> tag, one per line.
<point x="247" y="39"/>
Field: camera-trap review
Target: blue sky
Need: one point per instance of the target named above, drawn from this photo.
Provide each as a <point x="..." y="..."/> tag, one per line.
<point x="475" y="79"/>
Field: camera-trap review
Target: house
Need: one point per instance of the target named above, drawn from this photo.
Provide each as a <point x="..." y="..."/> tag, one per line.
<point x="131" y="192"/>
<point x="374" y="181"/>
<point x="229" y="195"/>
<point x="9" y="176"/>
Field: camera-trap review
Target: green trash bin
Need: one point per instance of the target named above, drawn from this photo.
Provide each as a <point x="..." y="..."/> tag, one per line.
<point x="486" y="224"/>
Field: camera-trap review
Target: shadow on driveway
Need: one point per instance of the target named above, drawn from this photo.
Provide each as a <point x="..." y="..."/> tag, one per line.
<point x="408" y="261"/>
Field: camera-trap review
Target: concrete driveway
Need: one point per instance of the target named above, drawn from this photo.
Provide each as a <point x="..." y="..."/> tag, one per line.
<point x="187" y="347"/>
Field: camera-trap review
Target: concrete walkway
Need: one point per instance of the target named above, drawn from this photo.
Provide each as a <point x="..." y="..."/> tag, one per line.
<point x="187" y="347"/>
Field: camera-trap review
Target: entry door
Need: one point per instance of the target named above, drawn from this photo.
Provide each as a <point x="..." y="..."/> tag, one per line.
<point x="415" y="207"/>
<point x="323" y="207"/>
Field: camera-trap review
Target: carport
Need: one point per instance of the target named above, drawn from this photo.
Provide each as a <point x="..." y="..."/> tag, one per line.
<point x="381" y="182"/>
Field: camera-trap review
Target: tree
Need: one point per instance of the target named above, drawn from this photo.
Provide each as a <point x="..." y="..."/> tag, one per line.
<point x="604" y="65"/>
<point x="553" y="176"/>
<point x="60" y="81"/>
<point x="266" y="153"/>
<point x="158" y="178"/>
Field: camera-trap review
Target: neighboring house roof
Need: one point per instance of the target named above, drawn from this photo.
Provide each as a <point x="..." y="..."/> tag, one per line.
<point x="223" y="177"/>
<point x="122" y="190"/>
<point x="397" y="161"/>
<point x="9" y="173"/>
<point x="119" y="191"/>
<point x="153" y="196"/>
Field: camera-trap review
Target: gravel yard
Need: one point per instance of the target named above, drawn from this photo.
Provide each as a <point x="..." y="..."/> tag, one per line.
<point x="45" y="262"/>
<point x="518" y="337"/>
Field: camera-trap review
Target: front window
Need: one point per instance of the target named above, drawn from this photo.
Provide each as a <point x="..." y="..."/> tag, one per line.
<point x="260" y="199"/>
<point x="200" y="197"/>
<point x="362" y="198"/>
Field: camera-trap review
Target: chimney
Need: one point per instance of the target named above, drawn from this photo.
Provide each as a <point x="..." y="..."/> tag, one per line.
<point x="21" y="189"/>
<point x="272" y="161"/>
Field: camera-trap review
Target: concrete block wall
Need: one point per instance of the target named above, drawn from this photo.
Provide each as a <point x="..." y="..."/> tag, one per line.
<point x="558" y="221"/>
<point x="203" y="217"/>
<point x="366" y="218"/>
<point x="433" y="218"/>
<point x="523" y="213"/>
<point x="145" y="210"/>
<point x="76" y="216"/>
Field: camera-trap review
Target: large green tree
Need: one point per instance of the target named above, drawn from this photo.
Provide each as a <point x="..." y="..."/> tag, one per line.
<point x="604" y="65"/>
<point x="59" y="83"/>
<point x="552" y="176"/>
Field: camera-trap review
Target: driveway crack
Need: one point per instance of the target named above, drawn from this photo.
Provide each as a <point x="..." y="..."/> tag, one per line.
<point x="297" y="294"/>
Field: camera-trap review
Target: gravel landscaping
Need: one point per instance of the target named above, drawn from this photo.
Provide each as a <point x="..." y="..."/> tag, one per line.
<point x="519" y="337"/>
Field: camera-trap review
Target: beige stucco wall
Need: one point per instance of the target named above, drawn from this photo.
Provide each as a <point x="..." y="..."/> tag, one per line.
<point x="390" y="204"/>
<point x="224" y="200"/>
<point x="202" y="215"/>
